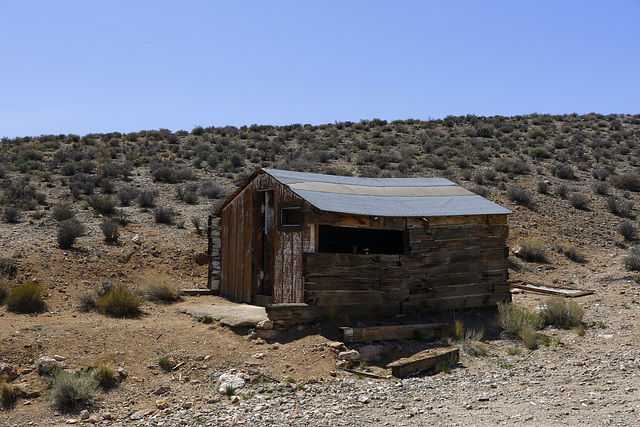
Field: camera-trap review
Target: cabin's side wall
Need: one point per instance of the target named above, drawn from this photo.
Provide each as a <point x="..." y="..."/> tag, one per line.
<point x="238" y="235"/>
<point x="453" y="263"/>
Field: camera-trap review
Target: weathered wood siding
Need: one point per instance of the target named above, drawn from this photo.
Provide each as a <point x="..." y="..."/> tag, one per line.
<point x="238" y="269"/>
<point x="453" y="263"/>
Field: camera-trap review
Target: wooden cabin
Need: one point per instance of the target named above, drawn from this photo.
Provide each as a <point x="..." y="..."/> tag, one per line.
<point x="303" y="244"/>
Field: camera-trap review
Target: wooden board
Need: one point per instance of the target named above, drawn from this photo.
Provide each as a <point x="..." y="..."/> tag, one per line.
<point x="383" y="333"/>
<point x="552" y="290"/>
<point x="427" y="360"/>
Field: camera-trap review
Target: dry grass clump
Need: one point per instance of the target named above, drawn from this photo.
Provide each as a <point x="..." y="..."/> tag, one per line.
<point x="469" y="339"/>
<point x="562" y="313"/>
<point x="71" y="391"/>
<point x="521" y="324"/>
<point x="9" y="393"/>
<point x="530" y="249"/>
<point x="120" y="301"/>
<point x="571" y="251"/>
<point x="162" y="288"/>
<point x="27" y="297"/>
<point x="104" y="374"/>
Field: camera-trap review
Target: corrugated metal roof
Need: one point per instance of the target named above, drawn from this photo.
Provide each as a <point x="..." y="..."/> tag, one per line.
<point x="419" y="197"/>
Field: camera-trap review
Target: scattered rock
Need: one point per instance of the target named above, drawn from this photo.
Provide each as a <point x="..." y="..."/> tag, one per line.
<point x="162" y="404"/>
<point x="8" y="372"/>
<point x="84" y="414"/>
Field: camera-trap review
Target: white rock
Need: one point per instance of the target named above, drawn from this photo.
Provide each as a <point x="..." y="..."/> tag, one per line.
<point x="84" y="415"/>
<point x="235" y="381"/>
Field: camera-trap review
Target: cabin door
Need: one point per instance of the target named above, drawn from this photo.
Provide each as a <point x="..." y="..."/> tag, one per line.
<point x="265" y="234"/>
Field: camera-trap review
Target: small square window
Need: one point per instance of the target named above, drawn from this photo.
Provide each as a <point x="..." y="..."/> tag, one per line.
<point x="290" y="216"/>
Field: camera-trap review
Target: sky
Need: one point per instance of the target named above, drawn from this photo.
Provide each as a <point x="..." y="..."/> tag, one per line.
<point x="123" y="66"/>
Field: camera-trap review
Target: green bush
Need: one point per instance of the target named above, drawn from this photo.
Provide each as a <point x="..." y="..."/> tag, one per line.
<point x="104" y="204"/>
<point x="62" y="212"/>
<point x="520" y="195"/>
<point x="166" y="362"/>
<point x="164" y="215"/>
<point x="147" y="198"/>
<point x="110" y="231"/>
<point x="511" y="165"/>
<point x="530" y="249"/>
<point x="579" y="201"/>
<point x="27" y="297"/>
<point x="11" y="214"/>
<point x="68" y="231"/>
<point x="120" y="301"/>
<point x="562" y="313"/>
<point x="72" y="391"/>
<point x="627" y="230"/>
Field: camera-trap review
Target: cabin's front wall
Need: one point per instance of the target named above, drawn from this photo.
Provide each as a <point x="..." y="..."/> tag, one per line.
<point x="239" y="268"/>
<point x="450" y="263"/>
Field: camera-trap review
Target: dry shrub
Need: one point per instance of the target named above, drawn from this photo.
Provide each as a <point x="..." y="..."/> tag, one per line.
<point x="9" y="393"/>
<point x="161" y="288"/>
<point x="563" y="313"/>
<point x="27" y="297"/>
<point x="120" y="301"/>
<point x="71" y="391"/>
<point x="571" y="251"/>
<point x="530" y="249"/>
<point x="518" y="323"/>
<point x="104" y="374"/>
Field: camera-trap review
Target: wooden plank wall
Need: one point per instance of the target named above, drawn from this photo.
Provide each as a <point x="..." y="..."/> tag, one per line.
<point x="453" y="263"/>
<point x="238" y="272"/>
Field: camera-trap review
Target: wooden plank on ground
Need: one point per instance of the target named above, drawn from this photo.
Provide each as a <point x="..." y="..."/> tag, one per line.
<point x="552" y="290"/>
<point x="382" y="333"/>
<point x="424" y="361"/>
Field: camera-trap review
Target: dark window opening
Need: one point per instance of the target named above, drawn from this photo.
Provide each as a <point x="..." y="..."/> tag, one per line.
<point x="360" y="240"/>
<point x="290" y="216"/>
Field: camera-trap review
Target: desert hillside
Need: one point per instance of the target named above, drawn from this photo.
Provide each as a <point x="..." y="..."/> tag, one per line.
<point x="139" y="204"/>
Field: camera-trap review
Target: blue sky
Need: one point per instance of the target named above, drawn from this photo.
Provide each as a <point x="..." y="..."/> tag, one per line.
<point x="103" y="66"/>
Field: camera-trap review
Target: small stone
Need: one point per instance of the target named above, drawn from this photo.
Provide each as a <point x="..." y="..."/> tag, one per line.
<point x="187" y="405"/>
<point x="59" y="358"/>
<point x="72" y="421"/>
<point x="265" y="324"/>
<point x="235" y="399"/>
<point x="399" y="406"/>
<point x="363" y="399"/>
<point x="136" y="416"/>
<point x="336" y="345"/>
<point x="258" y="356"/>
<point x="199" y="358"/>
<point x="121" y="372"/>
<point x="84" y="414"/>
<point x="162" y="404"/>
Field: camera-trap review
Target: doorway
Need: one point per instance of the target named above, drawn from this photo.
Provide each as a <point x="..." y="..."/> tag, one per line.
<point x="265" y="234"/>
